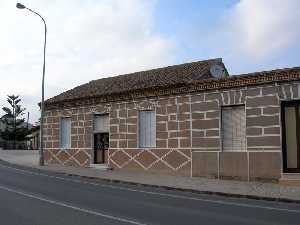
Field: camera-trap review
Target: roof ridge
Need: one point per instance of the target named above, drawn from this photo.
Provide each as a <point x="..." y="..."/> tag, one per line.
<point x="268" y="71"/>
<point x="156" y="77"/>
<point x="159" y="68"/>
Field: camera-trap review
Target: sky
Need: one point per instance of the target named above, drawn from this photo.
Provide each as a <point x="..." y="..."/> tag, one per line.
<point x="92" y="39"/>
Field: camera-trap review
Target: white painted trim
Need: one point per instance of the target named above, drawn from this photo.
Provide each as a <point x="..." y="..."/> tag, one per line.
<point x="271" y="126"/>
<point x="280" y="129"/>
<point x="269" y="151"/>
<point x="191" y="163"/>
<point x="265" y="147"/>
<point x="283" y="91"/>
<point x="191" y="121"/>
<point x="177" y="122"/>
<point x="108" y="151"/>
<point x="260" y="96"/>
<point x="290" y="174"/>
<point x="196" y="93"/>
<point x="195" y="149"/>
<point x="248" y="166"/>
<point x="191" y="132"/>
<point x="218" y="155"/>
<point x="62" y="149"/>
<point x="201" y="111"/>
<point x="264" y="135"/>
<point x="241" y="95"/>
<point x="228" y="98"/>
<point x="158" y="159"/>
<point x="205" y="151"/>
<point x="261" y="107"/>
<point x="263" y="115"/>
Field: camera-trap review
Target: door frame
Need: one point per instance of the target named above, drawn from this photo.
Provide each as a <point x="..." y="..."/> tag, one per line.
<point x="283" y="133"/>
<point x="94" y="114"/>
<point x="95" y="151"/>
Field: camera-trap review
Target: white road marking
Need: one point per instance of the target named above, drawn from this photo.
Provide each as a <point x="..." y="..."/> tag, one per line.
<point x="157" y="193"/>
<point x="70" y="206"/>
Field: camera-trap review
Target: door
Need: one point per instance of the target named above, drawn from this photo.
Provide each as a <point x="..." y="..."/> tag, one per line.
<point x="101" y="144"/>
<point x="290" y="113"/>
<point x="101" y="137"/>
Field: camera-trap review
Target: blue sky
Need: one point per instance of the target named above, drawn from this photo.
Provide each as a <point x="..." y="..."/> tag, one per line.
<point x="194" y="24"/>
<point x="182" y="17"/>
<point x="189" y="21"/>
<point x="92" y="39"/>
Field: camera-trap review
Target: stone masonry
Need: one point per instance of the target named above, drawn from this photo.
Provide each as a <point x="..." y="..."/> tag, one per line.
<point x="188" y="133"/>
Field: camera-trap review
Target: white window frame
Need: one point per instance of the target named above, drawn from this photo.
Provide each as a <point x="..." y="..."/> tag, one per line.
<point x="244" y="147"/>
<point x="94" y="120"/>
<point x="60" y="133"/>
<point x="152" y="145"/>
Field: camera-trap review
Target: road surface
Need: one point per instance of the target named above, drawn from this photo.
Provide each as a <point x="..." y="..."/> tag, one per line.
<point x="31" y="197"/>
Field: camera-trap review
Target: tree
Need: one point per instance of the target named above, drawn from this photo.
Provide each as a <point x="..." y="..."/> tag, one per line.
<point x="14" y="127"/>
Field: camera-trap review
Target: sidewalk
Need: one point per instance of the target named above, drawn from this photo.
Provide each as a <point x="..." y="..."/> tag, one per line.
<point x="256" y="190"/>
<point x="21" y="157"/>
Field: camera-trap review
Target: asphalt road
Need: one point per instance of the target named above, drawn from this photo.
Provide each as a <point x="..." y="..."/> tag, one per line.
<point x="31" y="197"/>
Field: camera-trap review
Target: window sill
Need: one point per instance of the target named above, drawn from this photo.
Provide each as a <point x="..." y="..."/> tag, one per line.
<point x="147" y="147"/>
<point x="64" y="148"/>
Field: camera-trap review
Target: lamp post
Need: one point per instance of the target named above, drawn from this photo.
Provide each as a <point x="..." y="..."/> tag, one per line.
<point x="41" y="160"/>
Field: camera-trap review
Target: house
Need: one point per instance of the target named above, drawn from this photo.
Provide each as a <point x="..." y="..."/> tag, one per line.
<point x="191" y="119"/>
<point x="2" y="128"/>
<point x="33" y="139"/>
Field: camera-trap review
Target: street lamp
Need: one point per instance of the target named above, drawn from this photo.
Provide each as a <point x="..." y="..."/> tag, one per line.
<point x="41" y="161"/>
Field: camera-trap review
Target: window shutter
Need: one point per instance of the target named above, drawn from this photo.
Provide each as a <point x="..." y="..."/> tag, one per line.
<point x="227" y="129"/>
<point x="65" y="133"/>
<point x="142" y="127"/>
<point x="147" y="129"/>
<point x="234" y="128"/>
<point x="153" y="130"/>
<point x="101" y="123"/>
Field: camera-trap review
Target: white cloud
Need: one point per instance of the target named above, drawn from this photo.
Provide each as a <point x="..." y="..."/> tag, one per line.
<point x="98" y="38"/>
<point x="258" y="29"/>
<point x="86" y="40"/>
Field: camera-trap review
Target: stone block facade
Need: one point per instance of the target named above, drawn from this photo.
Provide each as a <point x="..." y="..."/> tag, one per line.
<point x="263" y="156"/>
<point x="188" y="133"/>
<point x="81" y="137"/>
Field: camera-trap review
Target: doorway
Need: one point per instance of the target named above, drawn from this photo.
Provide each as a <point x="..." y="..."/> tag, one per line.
<point x="101" y="138"/>
<point x="101" y="145"/>
<point x="290" y="113"/>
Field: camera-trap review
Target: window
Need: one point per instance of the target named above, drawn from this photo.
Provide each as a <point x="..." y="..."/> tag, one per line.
<point x="101" y="123"/>
<point x="65" y="132"/>
<point x="291" y="136"/>
<point x="147" y="129"/>
<point x="233" y="128"/>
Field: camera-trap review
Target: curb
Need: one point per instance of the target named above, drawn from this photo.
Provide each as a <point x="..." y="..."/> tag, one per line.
<point x="215" y="193"/>
<point x="223" y="194"/>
